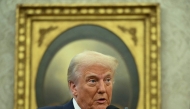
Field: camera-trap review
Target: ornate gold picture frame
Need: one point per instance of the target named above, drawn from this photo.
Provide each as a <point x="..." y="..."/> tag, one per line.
<point x="48" y="36"/>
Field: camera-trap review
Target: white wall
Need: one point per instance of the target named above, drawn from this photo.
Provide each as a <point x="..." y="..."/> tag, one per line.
<point x="175" y="50"/>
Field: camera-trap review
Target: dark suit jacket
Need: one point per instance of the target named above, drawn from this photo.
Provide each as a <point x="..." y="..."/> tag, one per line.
<point x="69" y="105"/>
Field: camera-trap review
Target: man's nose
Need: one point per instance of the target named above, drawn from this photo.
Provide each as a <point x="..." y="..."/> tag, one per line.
<point x="101" y="87"/>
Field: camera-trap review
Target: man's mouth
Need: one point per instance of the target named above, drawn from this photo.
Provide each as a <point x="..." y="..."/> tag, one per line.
<point x="101" y="100"/>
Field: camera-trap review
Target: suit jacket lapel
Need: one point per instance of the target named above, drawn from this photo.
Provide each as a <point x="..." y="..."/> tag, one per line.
<point x="69" y="105"/>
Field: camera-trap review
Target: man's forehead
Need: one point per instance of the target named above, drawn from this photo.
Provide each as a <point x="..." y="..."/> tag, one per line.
<point x="98" y="66"/>
<point x="94" y="74"/>
<point x="95" y="69"/>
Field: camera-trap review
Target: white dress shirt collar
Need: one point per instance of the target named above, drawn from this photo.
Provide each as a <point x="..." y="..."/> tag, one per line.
<point x="76" y="106"/>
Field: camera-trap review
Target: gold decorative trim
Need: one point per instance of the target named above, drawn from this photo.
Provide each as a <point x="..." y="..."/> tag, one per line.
<point x="149" y="67"/>
<point x="43" y="32"/>
<point x="132" y="31"/>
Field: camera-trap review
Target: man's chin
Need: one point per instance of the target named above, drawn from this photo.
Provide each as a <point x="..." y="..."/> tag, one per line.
<point x="101" y="106"/>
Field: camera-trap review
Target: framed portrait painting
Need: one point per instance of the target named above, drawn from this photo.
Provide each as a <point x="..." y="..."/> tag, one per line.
<point x="48" y="36"/>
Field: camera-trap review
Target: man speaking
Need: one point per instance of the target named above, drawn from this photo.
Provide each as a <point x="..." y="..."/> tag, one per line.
<point x="90" y="79"/>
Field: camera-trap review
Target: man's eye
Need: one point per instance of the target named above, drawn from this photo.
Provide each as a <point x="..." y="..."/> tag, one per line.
<point x="92" y="80"/>
<point x="108" y="80"/>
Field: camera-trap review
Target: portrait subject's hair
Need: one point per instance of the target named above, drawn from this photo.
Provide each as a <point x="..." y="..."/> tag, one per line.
<point x="89" y="58"/>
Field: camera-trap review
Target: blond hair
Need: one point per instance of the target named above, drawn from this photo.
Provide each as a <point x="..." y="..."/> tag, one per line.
<point x="89" y="58"/>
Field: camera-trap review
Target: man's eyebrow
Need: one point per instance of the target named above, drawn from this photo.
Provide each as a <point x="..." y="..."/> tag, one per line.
<point x="91" y="75"/>
<point x="108" y="74"/>
<point x="95" y="75"/>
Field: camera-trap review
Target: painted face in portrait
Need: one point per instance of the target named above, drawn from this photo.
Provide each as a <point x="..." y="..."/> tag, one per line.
<point x="93" y="90"/>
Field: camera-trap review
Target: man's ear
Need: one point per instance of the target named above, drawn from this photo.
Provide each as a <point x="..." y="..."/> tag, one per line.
<point x="73" y="88"/>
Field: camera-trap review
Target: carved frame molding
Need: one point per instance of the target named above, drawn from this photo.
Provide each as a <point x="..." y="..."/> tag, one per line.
<point x="148" y="13"/>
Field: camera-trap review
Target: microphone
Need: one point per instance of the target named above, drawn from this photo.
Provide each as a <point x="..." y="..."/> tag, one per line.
<point x="111" y="107"/>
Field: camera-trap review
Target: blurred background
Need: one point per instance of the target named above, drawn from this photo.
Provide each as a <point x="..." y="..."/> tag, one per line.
<point x="175" y="48"/>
